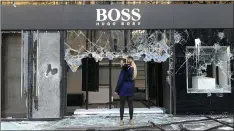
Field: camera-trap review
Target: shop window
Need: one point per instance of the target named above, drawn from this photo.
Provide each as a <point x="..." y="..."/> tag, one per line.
<point x="208" y="69"/>
<point x="145" y="45"/>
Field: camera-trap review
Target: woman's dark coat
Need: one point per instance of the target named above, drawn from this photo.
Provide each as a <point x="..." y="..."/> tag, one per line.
<point x="125" y="85"/>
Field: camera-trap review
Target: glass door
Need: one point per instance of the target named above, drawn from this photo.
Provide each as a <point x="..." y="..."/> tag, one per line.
<point x="46" y="71"/>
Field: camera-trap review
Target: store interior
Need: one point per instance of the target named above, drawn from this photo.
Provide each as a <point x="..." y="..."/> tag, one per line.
<point x="152" y="89"/>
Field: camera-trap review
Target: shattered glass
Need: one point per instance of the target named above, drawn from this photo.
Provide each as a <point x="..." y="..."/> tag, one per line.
<point x="111" y="122"/>
<point x="47" y="75"/>
<point x="197" y="61"/>
<point x="198" y="52"/>
<point x="140" y="44"/>
<point x="208" y="54"/>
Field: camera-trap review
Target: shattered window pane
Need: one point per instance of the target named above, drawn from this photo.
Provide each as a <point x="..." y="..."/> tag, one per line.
<point x="47" y="75"/>
<point x="141" y="44"/>
<point x="198" y="52"/>
<point x="206" y="57"/>
<point x="208" y="69"/>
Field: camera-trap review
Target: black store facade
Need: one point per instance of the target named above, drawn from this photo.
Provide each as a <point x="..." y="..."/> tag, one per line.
<point x="195" y="78"/>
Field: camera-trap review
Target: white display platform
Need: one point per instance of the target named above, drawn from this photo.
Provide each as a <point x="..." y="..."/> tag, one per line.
<point x="203" y="83"/>
<point x="154" y="110"/>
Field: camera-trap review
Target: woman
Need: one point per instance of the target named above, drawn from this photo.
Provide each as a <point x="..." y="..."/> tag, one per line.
<point x="125" y="88"/>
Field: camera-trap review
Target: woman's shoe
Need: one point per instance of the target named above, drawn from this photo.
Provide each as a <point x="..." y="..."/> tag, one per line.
<point x="131" y="122"/>
<point x="121" y="123"/>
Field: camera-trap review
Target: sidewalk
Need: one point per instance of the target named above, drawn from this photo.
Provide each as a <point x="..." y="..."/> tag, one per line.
<point x="110" y="122"/>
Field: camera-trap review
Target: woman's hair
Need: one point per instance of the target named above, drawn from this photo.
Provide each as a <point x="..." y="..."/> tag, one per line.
<point x="134" y="67"/>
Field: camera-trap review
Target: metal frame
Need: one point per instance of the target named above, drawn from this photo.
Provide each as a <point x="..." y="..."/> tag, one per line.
<point x="30" y="73"/>
<point x="171" y="42"/>
<point x="86" y="86"/>
<point x="1" y="71"/>
<point x="1" y="74"/>
<point x="110" y="84"/>
<point x="63" y="87"/>
<point x="173" y="83"/>
<point x="87" y="70"/>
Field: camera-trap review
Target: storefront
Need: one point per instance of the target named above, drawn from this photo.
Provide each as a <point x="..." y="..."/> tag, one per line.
<point x="184" y="53"/>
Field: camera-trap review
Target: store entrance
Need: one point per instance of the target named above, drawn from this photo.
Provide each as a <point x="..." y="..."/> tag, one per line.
<point x="13" y="102"/>
<point x="152" y="90"/>
<point x="151" y="87"/>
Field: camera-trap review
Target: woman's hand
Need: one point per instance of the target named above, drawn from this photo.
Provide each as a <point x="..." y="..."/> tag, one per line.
<point x="133" y="64"/>
<point x="121" y="63"/>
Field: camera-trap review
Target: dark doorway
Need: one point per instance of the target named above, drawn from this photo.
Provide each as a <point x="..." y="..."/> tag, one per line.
<point x="155" y="83"/>
<point x="90" y="75"/>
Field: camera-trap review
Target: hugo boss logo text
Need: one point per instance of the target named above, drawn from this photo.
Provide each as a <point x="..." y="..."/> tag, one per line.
<point x="112" y="17"/>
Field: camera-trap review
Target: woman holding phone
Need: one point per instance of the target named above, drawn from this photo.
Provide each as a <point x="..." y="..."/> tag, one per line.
<point x="125" y="88"/>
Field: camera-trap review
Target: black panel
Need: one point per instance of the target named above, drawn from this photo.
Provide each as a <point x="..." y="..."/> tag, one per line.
<point x="159" y="84"/>
<point x="202" y="16"/>
<point x="217" y="75"/>
<point x="155" y="88"/>
<point x="179" y="50"/>
<point x="209" y="71"/>
<point x="151" y="83"/>
<point x="152" y="16"/>
<point x="75" y="99"/>
<point x="92" y="70"/>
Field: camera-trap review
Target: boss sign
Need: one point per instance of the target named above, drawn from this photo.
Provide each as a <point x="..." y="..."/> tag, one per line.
<point x="112" y="17"/>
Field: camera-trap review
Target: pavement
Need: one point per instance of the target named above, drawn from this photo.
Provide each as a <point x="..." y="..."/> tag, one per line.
<point x="141" y="122"/>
